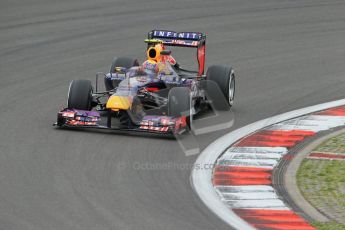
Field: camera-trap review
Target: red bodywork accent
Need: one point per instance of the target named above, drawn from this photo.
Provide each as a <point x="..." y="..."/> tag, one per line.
<point x="201" y="59"/>
<point x="152" y="89"/>
<point x="76" y="123"/>
<point x="180" y="123"/>
<point x="171" y="60"/>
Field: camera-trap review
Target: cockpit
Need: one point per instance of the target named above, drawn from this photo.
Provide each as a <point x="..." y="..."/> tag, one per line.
<point x="137" y="77"/>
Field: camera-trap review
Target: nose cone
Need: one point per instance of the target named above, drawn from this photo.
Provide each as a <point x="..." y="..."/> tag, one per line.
<point x="117" y="103"/>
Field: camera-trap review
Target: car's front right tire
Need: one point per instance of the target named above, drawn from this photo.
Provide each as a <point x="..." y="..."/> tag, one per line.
<point x="224" y="77"/>
<point x="180" y="104"/>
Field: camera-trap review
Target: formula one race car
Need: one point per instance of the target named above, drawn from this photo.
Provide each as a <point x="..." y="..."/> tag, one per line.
<point x="156" y="97"/>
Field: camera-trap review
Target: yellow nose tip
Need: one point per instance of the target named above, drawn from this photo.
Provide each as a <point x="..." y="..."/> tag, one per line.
<point x="118" y="102"/>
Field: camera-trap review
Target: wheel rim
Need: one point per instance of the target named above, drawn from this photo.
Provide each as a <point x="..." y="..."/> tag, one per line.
<point x="69" y="91"/>
<point x="231" y="89"/>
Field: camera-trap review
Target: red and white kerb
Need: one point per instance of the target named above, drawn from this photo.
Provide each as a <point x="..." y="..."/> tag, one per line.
<point x="243" y="174"/>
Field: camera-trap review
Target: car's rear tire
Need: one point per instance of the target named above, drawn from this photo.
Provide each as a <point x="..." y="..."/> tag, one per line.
<point x="179" y="103"/>
<point x="225" y="78"/>
<point x="80" y="95"/>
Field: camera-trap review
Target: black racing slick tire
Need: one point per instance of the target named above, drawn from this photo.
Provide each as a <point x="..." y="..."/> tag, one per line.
<point x="179" y="103"/>
<point x="225" y="78"/>
<point x="80" y="95"/>
<point x="123" y="62"/>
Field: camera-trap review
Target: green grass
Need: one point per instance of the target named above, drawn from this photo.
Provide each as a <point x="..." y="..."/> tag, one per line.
<point x="323" y="177"/>
<point x="334" y="145"/>
<point x="328" y="226"/>
<point x="322" y="183"/>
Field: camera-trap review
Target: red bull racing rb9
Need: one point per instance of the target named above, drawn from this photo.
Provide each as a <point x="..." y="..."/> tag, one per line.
<point x="157" y="96"/>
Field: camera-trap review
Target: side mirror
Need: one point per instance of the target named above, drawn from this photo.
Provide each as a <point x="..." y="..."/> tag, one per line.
<point x="119" y="69"/>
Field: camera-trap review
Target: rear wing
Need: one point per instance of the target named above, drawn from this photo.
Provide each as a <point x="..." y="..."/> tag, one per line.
<point x="183" y="39"/>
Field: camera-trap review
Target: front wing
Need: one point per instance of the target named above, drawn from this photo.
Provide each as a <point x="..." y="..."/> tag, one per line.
<point x="165" y="125"/>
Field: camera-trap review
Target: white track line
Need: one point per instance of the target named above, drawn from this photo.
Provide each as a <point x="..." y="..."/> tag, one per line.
<point x="263" y="150"/>
<point x="230" y="155"/>
<point x="259" y="163"/>
<point x="244" y="189"/>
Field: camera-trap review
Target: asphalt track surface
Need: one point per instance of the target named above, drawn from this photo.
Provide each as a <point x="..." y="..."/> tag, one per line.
<point x="287" y="55"/>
